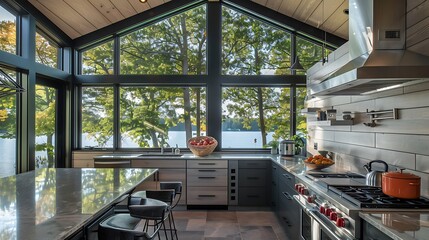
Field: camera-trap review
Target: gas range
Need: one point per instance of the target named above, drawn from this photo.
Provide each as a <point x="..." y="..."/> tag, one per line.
<point x="335" y="199"/>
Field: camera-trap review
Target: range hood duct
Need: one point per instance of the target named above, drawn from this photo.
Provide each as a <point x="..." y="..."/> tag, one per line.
<point x="375" y="57"/>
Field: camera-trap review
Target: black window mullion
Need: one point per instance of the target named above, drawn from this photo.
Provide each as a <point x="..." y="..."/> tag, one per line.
<point x="293" y="110"/>
<point x="116" y="118"/>
<point x="214" y="88"/>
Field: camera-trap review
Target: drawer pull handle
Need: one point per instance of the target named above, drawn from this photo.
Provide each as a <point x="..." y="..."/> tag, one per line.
<point x="287" y="195"/>
<point x="206" y="170"/>
<point x="207" y="196"/>
<point x="253" y="178"/>
<point x="206" y="163"/>
<point x="206" y="177"/>
<point x="287" y="176"/>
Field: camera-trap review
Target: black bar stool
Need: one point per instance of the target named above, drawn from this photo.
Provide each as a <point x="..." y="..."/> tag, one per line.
<point x="163" y="195"/>
<point x="123" y="226"/>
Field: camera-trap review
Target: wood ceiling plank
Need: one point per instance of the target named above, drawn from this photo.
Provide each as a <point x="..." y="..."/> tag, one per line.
<point x="124" y="7"/>
<point x="305" y="9"/>
<point x="89" y="12"/>
<point x="154" y="3"/>
<point x="288" y="7"/>
<point x="261" y="2"/>
<point x="343" y="30"/>
<point x="273" y="4"/>
<point x="109" y="11"/>
<point x="411" y="4"/>
<point x="62" y="15"/>
<point x="336" y="19"/>
<point x="138" y="6"/>
<point x="323" y="11"/>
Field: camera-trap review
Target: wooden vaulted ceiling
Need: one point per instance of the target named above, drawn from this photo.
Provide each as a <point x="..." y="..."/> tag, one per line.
<point x="80" y="17"/>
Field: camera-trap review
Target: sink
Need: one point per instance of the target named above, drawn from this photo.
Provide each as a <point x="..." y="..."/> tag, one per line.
<point x="160" y="155"/>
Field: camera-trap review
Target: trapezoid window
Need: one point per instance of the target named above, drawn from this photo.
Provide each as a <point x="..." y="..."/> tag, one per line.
<point x="252" y="47"/>
<point x="176" y="45"/>
<point x="47" y="51"/>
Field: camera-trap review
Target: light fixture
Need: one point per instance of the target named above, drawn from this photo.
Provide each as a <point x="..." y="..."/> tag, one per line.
<point x="8" y="86"/>
<point x="296" y="65"/>
<point x="143" y="1"/>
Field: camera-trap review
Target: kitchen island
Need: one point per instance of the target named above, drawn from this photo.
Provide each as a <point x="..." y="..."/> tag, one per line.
<point x="61" y="203"/>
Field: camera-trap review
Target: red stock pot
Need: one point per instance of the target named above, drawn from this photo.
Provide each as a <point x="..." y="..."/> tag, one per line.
<point x="401" y="185"/>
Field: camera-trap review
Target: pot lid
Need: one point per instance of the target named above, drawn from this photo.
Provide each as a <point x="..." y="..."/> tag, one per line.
<point x="400" y="175"/>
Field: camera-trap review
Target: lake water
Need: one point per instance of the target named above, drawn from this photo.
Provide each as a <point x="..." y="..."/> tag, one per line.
<point x="230" y="139"/>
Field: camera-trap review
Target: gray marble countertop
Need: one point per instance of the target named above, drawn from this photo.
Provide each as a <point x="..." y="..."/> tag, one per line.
<point x="400" y="225"/>
<point x="51" y="203"/>
<point x="187" y="156"/>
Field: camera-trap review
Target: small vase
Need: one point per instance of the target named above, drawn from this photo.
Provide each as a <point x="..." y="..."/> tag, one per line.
<point x="273" y="150"/>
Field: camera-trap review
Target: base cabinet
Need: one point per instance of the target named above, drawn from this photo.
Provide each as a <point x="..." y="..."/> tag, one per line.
<point x="288" y="209"/>
<point x="207" y="182"/>
<point x="253" y="179"/>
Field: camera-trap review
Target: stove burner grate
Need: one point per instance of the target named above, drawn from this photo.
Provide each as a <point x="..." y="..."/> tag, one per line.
<point x="373" y="197"/>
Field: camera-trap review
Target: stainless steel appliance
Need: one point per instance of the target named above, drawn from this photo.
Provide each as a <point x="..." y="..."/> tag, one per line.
<point x="375" y="57"/>
<point x="330" y="204"/>
<point x="287" y="148"/>
<point x="373" y="177"/>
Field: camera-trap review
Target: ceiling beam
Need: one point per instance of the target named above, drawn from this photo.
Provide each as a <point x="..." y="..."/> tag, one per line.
<point x="145" y="17"/>
<point x="297" y="26"/>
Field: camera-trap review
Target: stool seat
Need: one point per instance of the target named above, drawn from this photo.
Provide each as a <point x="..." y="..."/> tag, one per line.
<point x="123" y="226"/>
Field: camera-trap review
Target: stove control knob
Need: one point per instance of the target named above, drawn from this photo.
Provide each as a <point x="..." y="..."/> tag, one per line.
<point x="310" y="199"/>
<point x="328" y="212"/>
<point x="341" y="222"/>
<point x="297" y="185"/>
<point x="322" y="210"/>
<point x="304" y="191"/>
<point x="333" y="216"/>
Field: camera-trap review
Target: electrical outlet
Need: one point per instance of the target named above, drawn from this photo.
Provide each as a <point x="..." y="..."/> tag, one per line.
<point x="315" y="146"/>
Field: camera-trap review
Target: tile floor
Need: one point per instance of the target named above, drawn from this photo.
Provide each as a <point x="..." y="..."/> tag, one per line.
<point x="228" y="225"/>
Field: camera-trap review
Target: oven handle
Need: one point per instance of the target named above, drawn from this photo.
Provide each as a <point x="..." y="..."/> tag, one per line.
<point x="311" y="213"/>
<point x="323" y="225"/>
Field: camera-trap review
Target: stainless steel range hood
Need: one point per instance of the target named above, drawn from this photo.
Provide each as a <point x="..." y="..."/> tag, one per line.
<point x="374" y="58"/>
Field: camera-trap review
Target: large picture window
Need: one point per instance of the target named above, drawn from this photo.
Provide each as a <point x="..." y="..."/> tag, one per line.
<point x="97" y="117"/>
<point x="161" y="116"/>
<point x="7" y="31"/>
<point x="253" y="116"/>
<point x="98" y="60"/>
<point x="8" y="123"/>
<point x="251" y="47"/>
<point x="47" y="51"/>
<point x="176" y="45"/>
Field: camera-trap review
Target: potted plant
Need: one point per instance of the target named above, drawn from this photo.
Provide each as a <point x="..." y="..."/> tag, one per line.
<point x="299" y="141"/>
<point x="274" y="144"/>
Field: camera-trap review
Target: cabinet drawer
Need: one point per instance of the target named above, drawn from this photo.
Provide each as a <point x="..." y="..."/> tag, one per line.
<point x="207" y="177"/>
<point x="286" y="178"/>
<point x="207" y="163"/>
<point x="252" y="196"/>
<point x="83" y="163"/>
<point x="252" y="178"/>
<point x="158" y="163"/>
<point x="207" y="196"/>
<point x="252" y="164"/>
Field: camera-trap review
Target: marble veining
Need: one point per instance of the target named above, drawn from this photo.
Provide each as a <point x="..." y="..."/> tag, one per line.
<point x="53" y="203"/>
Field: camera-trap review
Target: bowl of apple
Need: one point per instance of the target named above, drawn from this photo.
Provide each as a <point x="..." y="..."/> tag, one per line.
<point x="202" y="146"/>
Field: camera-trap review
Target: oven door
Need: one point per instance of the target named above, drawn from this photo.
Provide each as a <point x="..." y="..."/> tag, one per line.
<point x="312" y="226"/>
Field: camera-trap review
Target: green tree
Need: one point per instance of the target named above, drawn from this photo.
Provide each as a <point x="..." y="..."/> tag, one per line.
<point x="8" y="36"/>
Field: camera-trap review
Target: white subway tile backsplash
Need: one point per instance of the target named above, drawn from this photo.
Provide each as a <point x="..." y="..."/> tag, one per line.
<point x="356" y="138"/>
<point x="422" y="163"/>
<point x="399" y="159"/>
<point x="417" y="144"/>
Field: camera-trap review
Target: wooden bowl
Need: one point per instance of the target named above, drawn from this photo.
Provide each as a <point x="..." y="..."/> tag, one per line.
<point x="203" y="150"/>
<point x="313" y="166"/>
